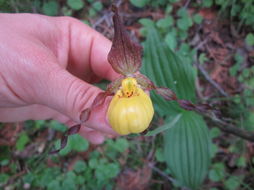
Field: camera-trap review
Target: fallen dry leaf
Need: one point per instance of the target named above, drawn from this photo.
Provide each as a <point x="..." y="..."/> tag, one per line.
<point x="134" y="179"/>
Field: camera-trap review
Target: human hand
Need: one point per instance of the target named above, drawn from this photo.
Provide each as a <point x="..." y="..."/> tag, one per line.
<point x="47" y="66"/>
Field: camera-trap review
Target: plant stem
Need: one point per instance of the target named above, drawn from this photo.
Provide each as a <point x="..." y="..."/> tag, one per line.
<point x="231" y="129"/>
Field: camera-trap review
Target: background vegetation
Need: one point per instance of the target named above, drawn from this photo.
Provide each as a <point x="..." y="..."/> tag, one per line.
<point x="204" y="51"/>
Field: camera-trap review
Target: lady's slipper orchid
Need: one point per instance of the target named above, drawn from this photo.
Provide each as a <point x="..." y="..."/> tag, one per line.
<point x="131" y="109"/>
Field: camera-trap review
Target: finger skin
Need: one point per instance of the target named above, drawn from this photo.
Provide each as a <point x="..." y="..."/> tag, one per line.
<point x="47" y="67"/>
<point x="87" y="46"/>
<point x="91" y="135"/>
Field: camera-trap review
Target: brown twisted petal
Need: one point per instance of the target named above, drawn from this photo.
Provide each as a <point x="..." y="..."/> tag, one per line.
<point x="99" y="100"/>
<point x="125" y="55"/>
<point x="71" y="131"/>
<point x="200" y="108"/>
<point x="166" y="93"/>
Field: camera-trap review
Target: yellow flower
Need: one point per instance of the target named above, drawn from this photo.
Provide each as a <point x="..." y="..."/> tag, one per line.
<point x="131" y="109"/>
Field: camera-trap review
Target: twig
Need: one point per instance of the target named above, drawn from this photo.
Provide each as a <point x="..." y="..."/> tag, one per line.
<point x="230" y="128"/>
<point x="204" y="72"/>
<point x="210" y="80"/>
<point x="163" y="174"/>
<point x="106" y="16"/>
<point x="201" y="44"/>
<point x="187" y="4"/>
<point x="100" y="20"/>
<point x="225" y="126"/>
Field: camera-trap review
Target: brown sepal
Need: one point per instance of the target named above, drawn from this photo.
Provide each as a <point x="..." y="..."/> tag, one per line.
<point x="144" y="82"/>
<point x="125" y="55"/>
<point x="114" y="86"/>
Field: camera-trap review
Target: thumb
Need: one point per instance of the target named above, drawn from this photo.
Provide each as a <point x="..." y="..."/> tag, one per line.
<point x="68" y="94"/>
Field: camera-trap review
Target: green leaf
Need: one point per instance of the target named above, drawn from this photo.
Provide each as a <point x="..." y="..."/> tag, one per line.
<point x="249" y="39"/>
<point x="202" y="58"/>
<point x="28" y="178"/>
<point x="93" y="163"/>
<point x="239" y="58"/>
<point x="168" y="9"/>
<point x="4" y="162"/>
<point x="213" y="176"/>
<point x="57" y="126"/>
<point x="50" y="8"/>
<point x="54" y="185"/>
<point x="119" y="145"/>
<point x="234" y="69"/>
<point x="65" y="150"/>
<point x="246" y="72"/>
<point x="184" y="49"/>
<point x="170" y="39"/>
<point x="67" y="11"/>
<point x="217" y="173"/>
<point x="92" y="12"/>
<point x="75" y="4"/>
<point x="241" y="162"/>
<point x="139" y="3"/>
<point x="197" y="18"/>
<point x="187" y="150"/>
<point x="46" y="176"/>
<point x="80" y="166"/>
<point x="80" y="180"/>
<point x="187" y="144"/>
<point x="164" y="127"/>
<point x="182" y="12"/>
<point x="232" y="183"/>
<point x="75" y="142"/>
<point x="165" y="22"/>
<point x="22" y="141"/>
<point x="39" y="124"/>
<point x="214" y="149"/>
<point x="215" y="132"/>
<point x="69" y="182"/>
<point x="107" y="170"/>
<point x="183" y="23"/>
<point x="78" y="143"/>
<point x="207" y="3"/>
<point x="97" y="6"/>
<point x="146" y="22"/>
<point x="3" y="178"/>
<point x="160" y="157"/>
<point x="165" y="69"/>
